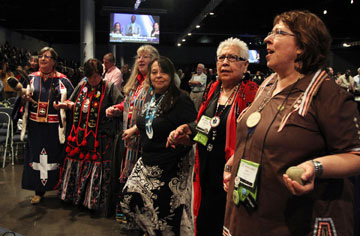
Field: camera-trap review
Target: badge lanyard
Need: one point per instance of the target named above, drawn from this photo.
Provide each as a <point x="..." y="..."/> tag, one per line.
<point x="43" y="107"/>
<point x="150" y="114"/>
<point x="215" y="121"/>
<point x="248" y="172"/>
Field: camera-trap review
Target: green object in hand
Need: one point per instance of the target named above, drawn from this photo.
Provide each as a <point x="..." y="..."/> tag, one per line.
<point x="294" y="173"/>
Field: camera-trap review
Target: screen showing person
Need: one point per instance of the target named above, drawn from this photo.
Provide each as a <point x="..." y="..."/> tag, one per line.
<point x="156" y="30"/>
<point x="117" y="28"/>
<point x="254" y="56"/>
<point x="134" y="28"/>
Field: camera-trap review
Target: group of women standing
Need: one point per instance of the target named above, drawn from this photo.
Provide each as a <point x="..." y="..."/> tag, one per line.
<point x="298" y="117"/>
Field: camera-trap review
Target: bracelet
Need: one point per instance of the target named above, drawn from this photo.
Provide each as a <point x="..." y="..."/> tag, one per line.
<point x="318" y="168"/>
<point x="227" y="168"/>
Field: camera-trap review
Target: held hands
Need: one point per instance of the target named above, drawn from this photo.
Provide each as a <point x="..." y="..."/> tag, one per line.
<point x="179" y="136"/>
<point x="127" y="134"/>
<point x="112" y="111"/>
<point x="227" y="173"/>
<point x="308" y="178"/>
<point x="67" y="105"/>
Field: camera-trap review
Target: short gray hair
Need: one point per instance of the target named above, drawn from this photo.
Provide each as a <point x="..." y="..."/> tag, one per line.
<point x="241" y="45"/>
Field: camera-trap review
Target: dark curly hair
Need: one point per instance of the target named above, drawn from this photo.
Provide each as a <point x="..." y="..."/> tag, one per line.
<point x="92" y="66"/>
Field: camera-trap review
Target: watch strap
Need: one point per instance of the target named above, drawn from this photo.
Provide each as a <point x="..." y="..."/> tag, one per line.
<point x="318" y="168"/>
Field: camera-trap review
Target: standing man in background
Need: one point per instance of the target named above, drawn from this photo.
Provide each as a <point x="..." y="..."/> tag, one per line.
<point x="112" y="73"/>
<point x="198" y="84"/>
<point x="133" y="29"/>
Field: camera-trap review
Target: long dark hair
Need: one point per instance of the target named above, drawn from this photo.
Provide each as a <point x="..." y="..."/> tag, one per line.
<point x="173" y="92"/>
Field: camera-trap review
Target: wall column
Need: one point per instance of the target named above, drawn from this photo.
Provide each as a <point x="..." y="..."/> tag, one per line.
<point x="87" y="30"/>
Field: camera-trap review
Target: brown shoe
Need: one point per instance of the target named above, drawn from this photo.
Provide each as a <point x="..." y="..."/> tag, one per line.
<point x="35" y="200"/>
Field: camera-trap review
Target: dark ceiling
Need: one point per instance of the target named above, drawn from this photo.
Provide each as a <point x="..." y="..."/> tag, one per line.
<point x="58" y="22"/>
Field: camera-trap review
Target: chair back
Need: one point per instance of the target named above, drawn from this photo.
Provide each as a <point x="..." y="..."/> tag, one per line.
<point x="5" y="120"/>
<point x="11" y="101"/>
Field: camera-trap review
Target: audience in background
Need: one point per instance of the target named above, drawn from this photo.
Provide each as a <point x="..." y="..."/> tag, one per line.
<point x="356" y="79"/>
<point x="346" y="81"/>
<point x="125" y="71"/>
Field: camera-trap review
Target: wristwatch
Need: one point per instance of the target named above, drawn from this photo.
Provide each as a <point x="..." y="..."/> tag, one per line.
<point x="227" y="168"/>
<point x="318" y="168"/>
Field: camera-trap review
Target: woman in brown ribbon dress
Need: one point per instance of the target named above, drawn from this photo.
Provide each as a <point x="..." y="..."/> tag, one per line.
<point x="299" y="118"/>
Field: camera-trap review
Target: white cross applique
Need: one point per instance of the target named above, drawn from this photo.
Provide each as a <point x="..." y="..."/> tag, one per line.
<point x="43" y="166"/>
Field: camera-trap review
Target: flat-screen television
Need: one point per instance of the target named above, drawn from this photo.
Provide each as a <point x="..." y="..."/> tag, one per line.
<point x="134" y="28"/>
<point x="254" y="56"/>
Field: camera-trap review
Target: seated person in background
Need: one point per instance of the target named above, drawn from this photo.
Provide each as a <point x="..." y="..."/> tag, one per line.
<point x="5" y="73"/>
<point x="346" y="81"/>
<point x="117" y="28"/>
<point x="155" y="31"/>
<point x="34" y="64"/>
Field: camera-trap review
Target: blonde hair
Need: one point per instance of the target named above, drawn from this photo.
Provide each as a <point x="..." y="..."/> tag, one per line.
<point x="131" y="84"/>
<point x="241" y="45"/>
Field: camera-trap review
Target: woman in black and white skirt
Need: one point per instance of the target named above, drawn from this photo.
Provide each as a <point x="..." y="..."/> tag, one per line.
<point x="157" y="194"/>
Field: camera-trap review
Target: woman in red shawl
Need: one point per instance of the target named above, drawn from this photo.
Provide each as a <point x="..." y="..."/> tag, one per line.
<point x="214" y="132"/>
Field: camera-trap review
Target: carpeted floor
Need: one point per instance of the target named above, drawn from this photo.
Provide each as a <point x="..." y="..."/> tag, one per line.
<point x="50" y="217"/>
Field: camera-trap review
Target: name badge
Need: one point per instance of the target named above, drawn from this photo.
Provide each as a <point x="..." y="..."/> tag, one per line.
<point x="245" y="189"/>
<point x="204" y="125"/>
<point x="247" y="173"/>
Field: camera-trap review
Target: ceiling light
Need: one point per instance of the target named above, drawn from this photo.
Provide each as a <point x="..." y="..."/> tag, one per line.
<point x="351" y="1"/>
<point x="211" y="13"/>
<point x="197" y="26"/>
<point x="325" y="12"/>
<point x="346" y="45"/>
<point x="183" y="40"/>
<point x="189" y="34"/>
<point x="179" y="44"/>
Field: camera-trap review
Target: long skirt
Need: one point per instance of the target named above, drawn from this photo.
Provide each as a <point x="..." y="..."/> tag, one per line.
<point x="158" y="198"/>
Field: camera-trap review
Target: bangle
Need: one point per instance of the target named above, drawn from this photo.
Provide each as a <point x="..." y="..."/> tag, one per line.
<point x="318" y="168"/>
<point x="227" y="168"/>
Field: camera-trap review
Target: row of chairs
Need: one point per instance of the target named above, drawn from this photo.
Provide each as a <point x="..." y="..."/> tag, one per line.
<point x="8" y="102"/>
<point x="7" y="135"/>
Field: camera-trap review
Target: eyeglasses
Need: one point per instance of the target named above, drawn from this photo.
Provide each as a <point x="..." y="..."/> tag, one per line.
<point x="45" y="56"/>
<point x="279" y="32"/>
<point x="230" y="58"/>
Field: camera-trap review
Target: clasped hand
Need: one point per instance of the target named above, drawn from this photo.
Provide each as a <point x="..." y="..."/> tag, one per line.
<point x="67" y="105"/>
<point x="180" y="136"/>
<point x="113" y="111"/>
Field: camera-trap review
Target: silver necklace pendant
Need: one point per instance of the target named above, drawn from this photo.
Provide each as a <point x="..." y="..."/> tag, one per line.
<point x="215" y="121"/>
<point x="149" y="130"/>
<point x="209" y="147"/>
